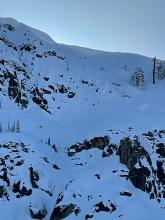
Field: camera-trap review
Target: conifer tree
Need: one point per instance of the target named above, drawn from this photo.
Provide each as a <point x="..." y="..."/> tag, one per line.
<point x="49" y="141"/>
<point x="154" y="70"/>
<point x="8" y="126"/>
<point x="18" y="126"/>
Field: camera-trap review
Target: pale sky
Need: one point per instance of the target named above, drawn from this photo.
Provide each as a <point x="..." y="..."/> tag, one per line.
<point x="136" y="26"/>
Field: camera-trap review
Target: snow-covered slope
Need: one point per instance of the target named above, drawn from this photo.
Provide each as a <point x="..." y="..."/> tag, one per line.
<point x="77" y="140"/>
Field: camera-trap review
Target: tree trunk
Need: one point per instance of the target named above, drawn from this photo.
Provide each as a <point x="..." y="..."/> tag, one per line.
<point x="154" y="67"/>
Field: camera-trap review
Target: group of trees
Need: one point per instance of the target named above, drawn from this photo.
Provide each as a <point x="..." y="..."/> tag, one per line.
<point x="15" y="127"/>
<point x="158" y="72"/>
<point x="158" y="69"/>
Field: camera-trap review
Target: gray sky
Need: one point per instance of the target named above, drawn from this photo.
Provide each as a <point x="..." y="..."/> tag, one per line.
<point x="136" y="26"/>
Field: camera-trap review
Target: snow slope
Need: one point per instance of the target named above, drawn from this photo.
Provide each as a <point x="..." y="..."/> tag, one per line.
<point x="61" y="95"/>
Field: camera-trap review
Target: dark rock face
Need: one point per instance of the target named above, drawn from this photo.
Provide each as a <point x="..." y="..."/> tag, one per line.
<point x="61" y="212"/>
<point x="38" y="98"/>
<point x="34" y="177"/>
<point x="21" y="191"/>
<point x="3" y="192"/>
<point x="160" y="172"/>
<point x="8" y="43"/>
<point x="161" y="149"/>
<point x="146" y="178"/>
<point x="27" y="47"/>
<point x="37" y="214"/>
<point x="88" y="216"/>
<point x="109" y="150"/>
<point x="100" y="207"/>
<point x="100" y="142"/>
<point x="15" y="87"/>
<point x="130" y="153"/>
<point x="96" y="142"/>
<point x="125" y="151"/>
<point x="139" y="177"/>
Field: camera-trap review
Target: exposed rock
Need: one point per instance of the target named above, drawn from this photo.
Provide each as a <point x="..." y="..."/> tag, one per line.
<point x="60" y="198"/>
<point x="37" y="213"/>
<point x="96" y="142"/>
<point x="71" y="94"/>
<point x="161" y="172"/>
<point x="19" y="163"/>
<point x="130" y="153"/>
<point x="38" y="98"/>
<point x="97" y="176"/>
<point x="149" y="134"/>
<point x="55" y="167"/>
<point x="45" y="91"/>
<point x="88" y="216"/>
<point x="21" y="191"/>
<point x="61" y="212"/>
<point x="62" y="89"/>
<point x="109" y="150"/>
<point x="27" y="47"/>
<point x="3" y="192"/>
<point x="9" y="27"/>
<point x="100" y="207"/>
<point x="34" y="177"/>
<point x="125" y="194"/>
<point x="161" y="149"/>
<point x="100" y="142"/>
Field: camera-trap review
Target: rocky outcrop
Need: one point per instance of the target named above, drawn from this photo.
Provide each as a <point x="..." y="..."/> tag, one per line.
<point x="96" y="142"/>
<point x="38" y="98"/>
<point x="161" y="171"/>
<point x="16" y="72"/>
<point x="37" y="213"/>
<point x="100" y="207"/>
<point x="63" y="211"/>
<point x="143" y="175"/>
<point x="125" y="194"/>
<point x="130" y="152"/>
<point x="161" y="149"/>
<point x="109" y="150"/>
<point x="34" y="177"/>
<point x="15" y="87"/>
<point x="12" y="183"/>
<point x="141" y="171"/>
<point x="21" y="191"/>
<point x="139" y="177"/>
